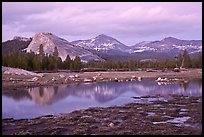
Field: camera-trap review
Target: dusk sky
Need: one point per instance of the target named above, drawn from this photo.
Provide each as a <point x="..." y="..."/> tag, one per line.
<point x="129" y="22"/>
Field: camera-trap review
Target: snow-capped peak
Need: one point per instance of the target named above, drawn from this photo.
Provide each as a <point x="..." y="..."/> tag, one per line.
<point x="102" y="43"/>
<point x="168" y="44"/>
<point x="21" y="38"/>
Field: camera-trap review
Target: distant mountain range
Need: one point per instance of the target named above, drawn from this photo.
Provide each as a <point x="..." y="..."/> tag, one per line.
<point x="168" y="45"/>
<point x="104" y="47"/>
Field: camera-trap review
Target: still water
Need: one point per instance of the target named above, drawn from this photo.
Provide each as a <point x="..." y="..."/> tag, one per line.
<point x="38" y="101"/>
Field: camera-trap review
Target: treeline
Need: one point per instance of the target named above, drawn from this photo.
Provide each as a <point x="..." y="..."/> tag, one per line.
<point x="34" y="62"/>
<point x="43" y="62"/>
<point x="182" y="60"/>
<point x="131" y="65"/>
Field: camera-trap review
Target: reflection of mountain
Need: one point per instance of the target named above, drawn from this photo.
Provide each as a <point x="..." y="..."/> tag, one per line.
<point x="103" y="92"/>
<point x="41" y="95"/>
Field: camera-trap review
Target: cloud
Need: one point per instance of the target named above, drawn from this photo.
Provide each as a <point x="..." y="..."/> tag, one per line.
<point x="122" y="20"/>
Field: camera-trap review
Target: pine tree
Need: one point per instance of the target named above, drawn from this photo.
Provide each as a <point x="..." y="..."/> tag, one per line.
<point x="72" y="66"/>
<point x="30" y="57"/>
<point x="55" y="53"/>
<point x="41" y="50"/>
<point x="23" y="61"/>
<point x="179" y="60"/>
<point x="51" y="65"/>
<point x="55" y="58"/>
<point x="77" y="63"/>
<point x="45" y="63"/>
<point x="36" y="63"/>
<point x="187" y="59"/>
<point x="59" y="63"/>
<point x="67" y="62"/>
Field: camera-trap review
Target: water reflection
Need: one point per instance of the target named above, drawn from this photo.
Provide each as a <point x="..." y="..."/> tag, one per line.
<point x="38" y="101"/>
<point x="103" y="92"/>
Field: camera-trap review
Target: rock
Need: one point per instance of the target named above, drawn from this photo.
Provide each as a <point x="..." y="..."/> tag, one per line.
<point x="133" y="76"/>
<point x="18" y="71"/>
<point x="158" y="79"/>
<point x="87" y="80"/>
<point x="71" y="76"/>
<point x="185" y="81"/>
<point x="61" y="76"/>
<point x="116" y="79"/>
<point x="94" y="78"/>
<point x="175" y="79"/>
<point x="34" y="79"/>
<point x="165" y="79"/>
<point x="66" y="80"/>
<point x="53" y="79"/>
<point x="76" y="76"/>
<point x="76" y="80"/>
<point x="139" y="79"/>
<point x="176" y="70"/>
<point x="111" y="125"/>
<point x="11" y="79"/>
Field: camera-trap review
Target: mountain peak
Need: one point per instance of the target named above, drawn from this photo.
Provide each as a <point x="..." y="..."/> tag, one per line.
<point x="102" y="43"/>
<point x="44" y="34"/>
<point x="21" y="38"/>
<point x="102" y="36"/>
<point x="169" y="39"/>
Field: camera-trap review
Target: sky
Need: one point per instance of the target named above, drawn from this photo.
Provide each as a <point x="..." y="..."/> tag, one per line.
<point x="128" y="22"/>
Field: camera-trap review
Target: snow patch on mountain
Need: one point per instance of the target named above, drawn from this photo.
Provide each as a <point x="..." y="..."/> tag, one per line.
<point x="142" y="49"/>
<point x="168" y="44"/>
<point x="21" y="38"/>
<point x="102" y="43"/>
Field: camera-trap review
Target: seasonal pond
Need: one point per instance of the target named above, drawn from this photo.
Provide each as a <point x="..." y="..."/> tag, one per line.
<point x="38" y="101"/>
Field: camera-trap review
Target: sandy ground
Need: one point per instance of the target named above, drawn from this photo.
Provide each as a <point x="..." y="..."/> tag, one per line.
<point x="18" y="81"/>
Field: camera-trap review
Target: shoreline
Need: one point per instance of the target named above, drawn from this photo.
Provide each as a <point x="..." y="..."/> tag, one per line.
<point x="166" y="115"/>
<point x="10" y="81"/>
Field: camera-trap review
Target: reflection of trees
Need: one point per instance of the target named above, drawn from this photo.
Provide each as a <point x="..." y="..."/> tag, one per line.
<point x="103" y="92"/>
<point x="199" y="81"/>
<point x="41" y="91"/>
<point x="18" y="94"/>
<point x="185" y="86"/>
<point x="55" y="89"/>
